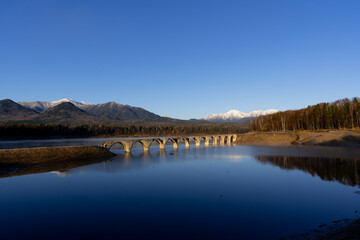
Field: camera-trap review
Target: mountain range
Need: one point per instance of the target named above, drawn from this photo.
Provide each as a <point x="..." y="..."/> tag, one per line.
<point x="41" y="106"/>
<point x="236" y="116"/>
<point x="68" y="111"/>
<point x="110" y="110"/>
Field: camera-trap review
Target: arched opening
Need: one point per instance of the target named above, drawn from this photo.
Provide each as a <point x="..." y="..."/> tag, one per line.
<point x="214" y="141"/>
<point x="194" y="141"/>
<point x="137" y="148"/>
<point x="117" y="148"/>
<point x="170" y="143"/>
<point x="202" y="141"/>
<point x="181" y="143"/>
<point x="221" y="140"/>
<point x="154" y="146"/>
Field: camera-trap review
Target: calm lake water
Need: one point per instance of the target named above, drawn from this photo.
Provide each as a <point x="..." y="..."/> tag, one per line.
<point x="229" y="192"/>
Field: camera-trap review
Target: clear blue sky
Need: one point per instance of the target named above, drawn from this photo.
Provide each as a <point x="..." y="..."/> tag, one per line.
<point x="183" y="59"/>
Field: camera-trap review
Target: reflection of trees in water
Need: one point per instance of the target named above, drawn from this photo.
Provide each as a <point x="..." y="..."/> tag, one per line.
<point x="345" y="171"/>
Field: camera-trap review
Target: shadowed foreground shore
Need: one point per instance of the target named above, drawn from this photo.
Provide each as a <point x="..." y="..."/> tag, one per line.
<point x="33" y="160"/>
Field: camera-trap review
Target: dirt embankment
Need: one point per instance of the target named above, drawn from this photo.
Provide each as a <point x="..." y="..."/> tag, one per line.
<point x="350" y="231"/>
<point x="29" y="156"/>
<point x="344" y="138"/>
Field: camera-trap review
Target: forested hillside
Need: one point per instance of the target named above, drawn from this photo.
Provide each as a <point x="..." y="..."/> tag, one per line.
<point x="342" y="114"/>
<point x="34" y="131"/>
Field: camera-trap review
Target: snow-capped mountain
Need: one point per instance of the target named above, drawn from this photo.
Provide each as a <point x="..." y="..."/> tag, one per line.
<point x="237" y="116"/>
<point x="108" y="112"/>
<point x="41" y="106"/>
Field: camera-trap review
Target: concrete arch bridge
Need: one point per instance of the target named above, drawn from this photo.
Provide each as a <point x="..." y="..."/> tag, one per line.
<point x="146" y="142"/>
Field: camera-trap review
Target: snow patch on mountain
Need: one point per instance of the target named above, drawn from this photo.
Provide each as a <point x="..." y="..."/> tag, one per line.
<point x="69" y="100"/>
<point x="41" y="106"/>
<point x="235" y="115"/>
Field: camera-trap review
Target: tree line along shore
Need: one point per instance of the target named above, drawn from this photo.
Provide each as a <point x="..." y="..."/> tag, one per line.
<point x="38" y="131"/>
<point x="341" y="114"/>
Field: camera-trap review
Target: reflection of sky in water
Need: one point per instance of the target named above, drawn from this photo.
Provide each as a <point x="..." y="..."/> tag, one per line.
<point x="215" y="192"/>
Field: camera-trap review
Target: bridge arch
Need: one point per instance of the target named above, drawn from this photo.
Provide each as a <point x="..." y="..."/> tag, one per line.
<point x="183" y="140"/>
<point x="173" y="140"/>
<point x="143" y="144"/>
<point x="221" y="139"/>
<point x="214" y="140"/>
<point x="228" y="139"/>
<point x="206" y="140"/>
<point x="197" y="140"/>
<point x="124" y="144"/>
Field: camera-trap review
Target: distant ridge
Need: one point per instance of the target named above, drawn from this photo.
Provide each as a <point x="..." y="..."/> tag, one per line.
<point x="68" y="111"/>
<point x="116" y="111"/>
<point x="41" y="106"/>
<point x="110" y="110"/>
<point x="236" y="116"/>
<point x="11" y="111"/>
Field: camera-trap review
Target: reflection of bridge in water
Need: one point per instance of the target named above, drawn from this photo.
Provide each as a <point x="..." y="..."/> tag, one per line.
<point x="146" y="142"/>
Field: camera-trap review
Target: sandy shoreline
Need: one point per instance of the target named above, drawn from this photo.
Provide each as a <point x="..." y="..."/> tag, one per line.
<point x="29" y="156"/>
<point x="344" y="138"/>
<point x="17" y="162"/>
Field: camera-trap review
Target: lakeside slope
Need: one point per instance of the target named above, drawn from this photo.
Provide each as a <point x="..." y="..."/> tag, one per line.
<point x="344" y="138"/>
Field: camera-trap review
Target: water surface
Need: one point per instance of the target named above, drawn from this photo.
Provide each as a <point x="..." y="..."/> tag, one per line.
<point x="230" y="192"/>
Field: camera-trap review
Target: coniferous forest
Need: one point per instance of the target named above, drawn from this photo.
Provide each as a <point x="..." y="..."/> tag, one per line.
<point x="33" y="131"/>
<point x="341" y="114"/>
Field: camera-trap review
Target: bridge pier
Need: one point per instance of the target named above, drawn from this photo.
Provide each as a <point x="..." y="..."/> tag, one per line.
<point x="146" y="144"/>
<point x="222" y="140"/>
<point x="186" y="141"/>
<point x="214" y="141"/>
<point x="175" y="145"/>
<point x="161" y="143"/>
<point x="207" y="141"/>
<point x="128" y="145"/>
<point x="165" y="140"/>
<point x="197" y="141"/>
